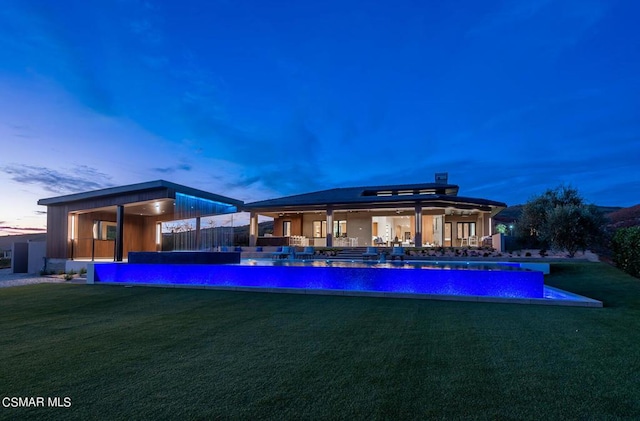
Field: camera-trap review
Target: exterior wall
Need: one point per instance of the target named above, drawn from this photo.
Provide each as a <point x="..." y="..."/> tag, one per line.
<point x="359" y="226"/>
<point x="307" y="222"/>
<point x="37" y="250"/>
<point x="454" y="219"/>
<point x="427" y="229"/>
<point x="20" y="258"/>
<point x="136" y="235"/>
<point x="486" y="224"/>
<point x="296" y="224"/>
<point x="84" y="239"/>
<point x="57" y="232"/>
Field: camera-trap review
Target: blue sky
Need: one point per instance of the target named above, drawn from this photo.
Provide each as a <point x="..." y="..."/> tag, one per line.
<point x="257" y="99"/>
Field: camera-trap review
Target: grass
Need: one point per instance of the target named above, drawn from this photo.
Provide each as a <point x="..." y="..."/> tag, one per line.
<point x="150" y="353"/>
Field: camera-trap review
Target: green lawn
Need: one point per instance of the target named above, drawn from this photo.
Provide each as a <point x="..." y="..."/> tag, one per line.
<point x="151" y="353"/>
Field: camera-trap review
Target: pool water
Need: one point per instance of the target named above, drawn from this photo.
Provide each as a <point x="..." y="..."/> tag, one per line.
<point x="446" y="279"/>
<point x="498" y="282"/>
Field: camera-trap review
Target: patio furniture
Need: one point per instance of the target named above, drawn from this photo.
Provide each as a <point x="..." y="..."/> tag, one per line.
<point x="397" y="252"/>
<point x="308" y="253"/>
<point x="372" y="252"/>
<point x="473" y="241"/>
<point x="285" y="252"/>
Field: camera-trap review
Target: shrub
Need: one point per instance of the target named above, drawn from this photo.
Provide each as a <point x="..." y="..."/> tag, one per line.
<point x="527" y="254"/>
<point x="5" y="263"/>
<point x="68" y="276"/>
<point x="561" y="220"/>
<point x="626" y="250"/>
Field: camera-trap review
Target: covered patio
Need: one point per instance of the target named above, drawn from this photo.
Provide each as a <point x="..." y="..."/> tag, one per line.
<point x="109" y="223"/>
<point x="416" y="215"/>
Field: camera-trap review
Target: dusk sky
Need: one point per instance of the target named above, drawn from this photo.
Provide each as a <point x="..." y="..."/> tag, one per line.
<point x="256" y="99"/>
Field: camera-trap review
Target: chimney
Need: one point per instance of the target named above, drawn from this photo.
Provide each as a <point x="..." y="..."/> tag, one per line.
<point x="442" y="178"/>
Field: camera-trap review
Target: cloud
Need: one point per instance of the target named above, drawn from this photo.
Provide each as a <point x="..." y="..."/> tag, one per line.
<point x="81" y="178"/>
<point x="172" y="169"/>
<point x="10" y="230"/>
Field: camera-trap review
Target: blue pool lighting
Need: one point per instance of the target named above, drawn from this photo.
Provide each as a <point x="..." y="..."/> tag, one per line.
<point x="459" y="279"/>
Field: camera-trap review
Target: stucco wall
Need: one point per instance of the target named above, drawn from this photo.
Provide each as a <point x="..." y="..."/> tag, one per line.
<point x="359" y="226"/>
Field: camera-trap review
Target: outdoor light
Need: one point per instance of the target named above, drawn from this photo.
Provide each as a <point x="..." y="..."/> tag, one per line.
<point x="73" y="227"/>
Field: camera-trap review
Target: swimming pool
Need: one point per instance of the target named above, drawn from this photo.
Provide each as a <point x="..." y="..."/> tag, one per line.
<point x="467" y="281"/>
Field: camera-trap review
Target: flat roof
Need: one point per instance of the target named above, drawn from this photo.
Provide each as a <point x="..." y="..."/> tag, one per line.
<point x="170" y="188"/>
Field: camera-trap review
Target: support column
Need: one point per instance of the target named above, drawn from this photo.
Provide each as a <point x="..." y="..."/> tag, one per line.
<point x="329" y="227"/>
<point x="198" y="238"/>
<point x="119" y="246"/>
<point x="253" y="229"/>
<point x="418" y="224"/>
<point x="158" y="236"/>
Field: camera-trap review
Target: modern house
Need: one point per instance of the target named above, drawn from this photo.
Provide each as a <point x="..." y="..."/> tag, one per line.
<point x="108" y="223"/>
<point x="429" y="214"/>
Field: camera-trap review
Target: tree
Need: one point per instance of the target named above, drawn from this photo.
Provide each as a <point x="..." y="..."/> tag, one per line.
<point x="501" y="228"/>
<point x="560" y="219"/>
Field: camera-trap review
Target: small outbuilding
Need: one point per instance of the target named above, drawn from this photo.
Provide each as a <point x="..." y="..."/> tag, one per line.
<point x="108" y="223"/>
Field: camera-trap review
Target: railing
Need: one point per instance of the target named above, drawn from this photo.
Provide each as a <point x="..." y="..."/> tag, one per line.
<point x="345" y="242"/>
<point x="318" y="242"/>
<point x="298" y="240"/>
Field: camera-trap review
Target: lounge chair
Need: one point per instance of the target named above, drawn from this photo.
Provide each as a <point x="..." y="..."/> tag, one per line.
<point x="371" y="253"/>
<point x="308" y="253"/>
<point x="284" y="252"/>
<point x="397" y="252"/>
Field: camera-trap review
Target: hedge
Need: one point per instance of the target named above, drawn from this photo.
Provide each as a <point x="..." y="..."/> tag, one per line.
<point x="626" y="250"/>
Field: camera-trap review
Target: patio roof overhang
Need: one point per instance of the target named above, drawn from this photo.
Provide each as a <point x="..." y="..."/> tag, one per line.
<point x="382" y="203"/>
<point x="154" y="198"/>
<point x="407" y="196"/>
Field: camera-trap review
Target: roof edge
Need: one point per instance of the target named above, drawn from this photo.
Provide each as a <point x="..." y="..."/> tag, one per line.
<point x="138" y="187"/>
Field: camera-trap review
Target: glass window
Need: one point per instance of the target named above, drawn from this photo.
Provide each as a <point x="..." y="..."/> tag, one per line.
<point x="339" y="228"/>
<point x="286" y="228"/>
<point x="104" y="230"/>
<point x="465" y="230"/>
<point x="319" y="229"/>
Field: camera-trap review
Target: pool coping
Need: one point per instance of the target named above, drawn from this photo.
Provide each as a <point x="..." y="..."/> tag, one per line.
<point x="578" y="300"/>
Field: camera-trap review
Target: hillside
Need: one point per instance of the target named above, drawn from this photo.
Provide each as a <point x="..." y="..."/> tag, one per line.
<point x="625" y="217"/>
<point x="512" y="213"/>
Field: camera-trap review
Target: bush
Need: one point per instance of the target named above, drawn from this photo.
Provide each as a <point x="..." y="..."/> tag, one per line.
<point x="626" y="250"/>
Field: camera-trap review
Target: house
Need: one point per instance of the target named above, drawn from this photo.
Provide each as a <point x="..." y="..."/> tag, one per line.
<point x="108" y="223"/>
<point x="429" y="214"/>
